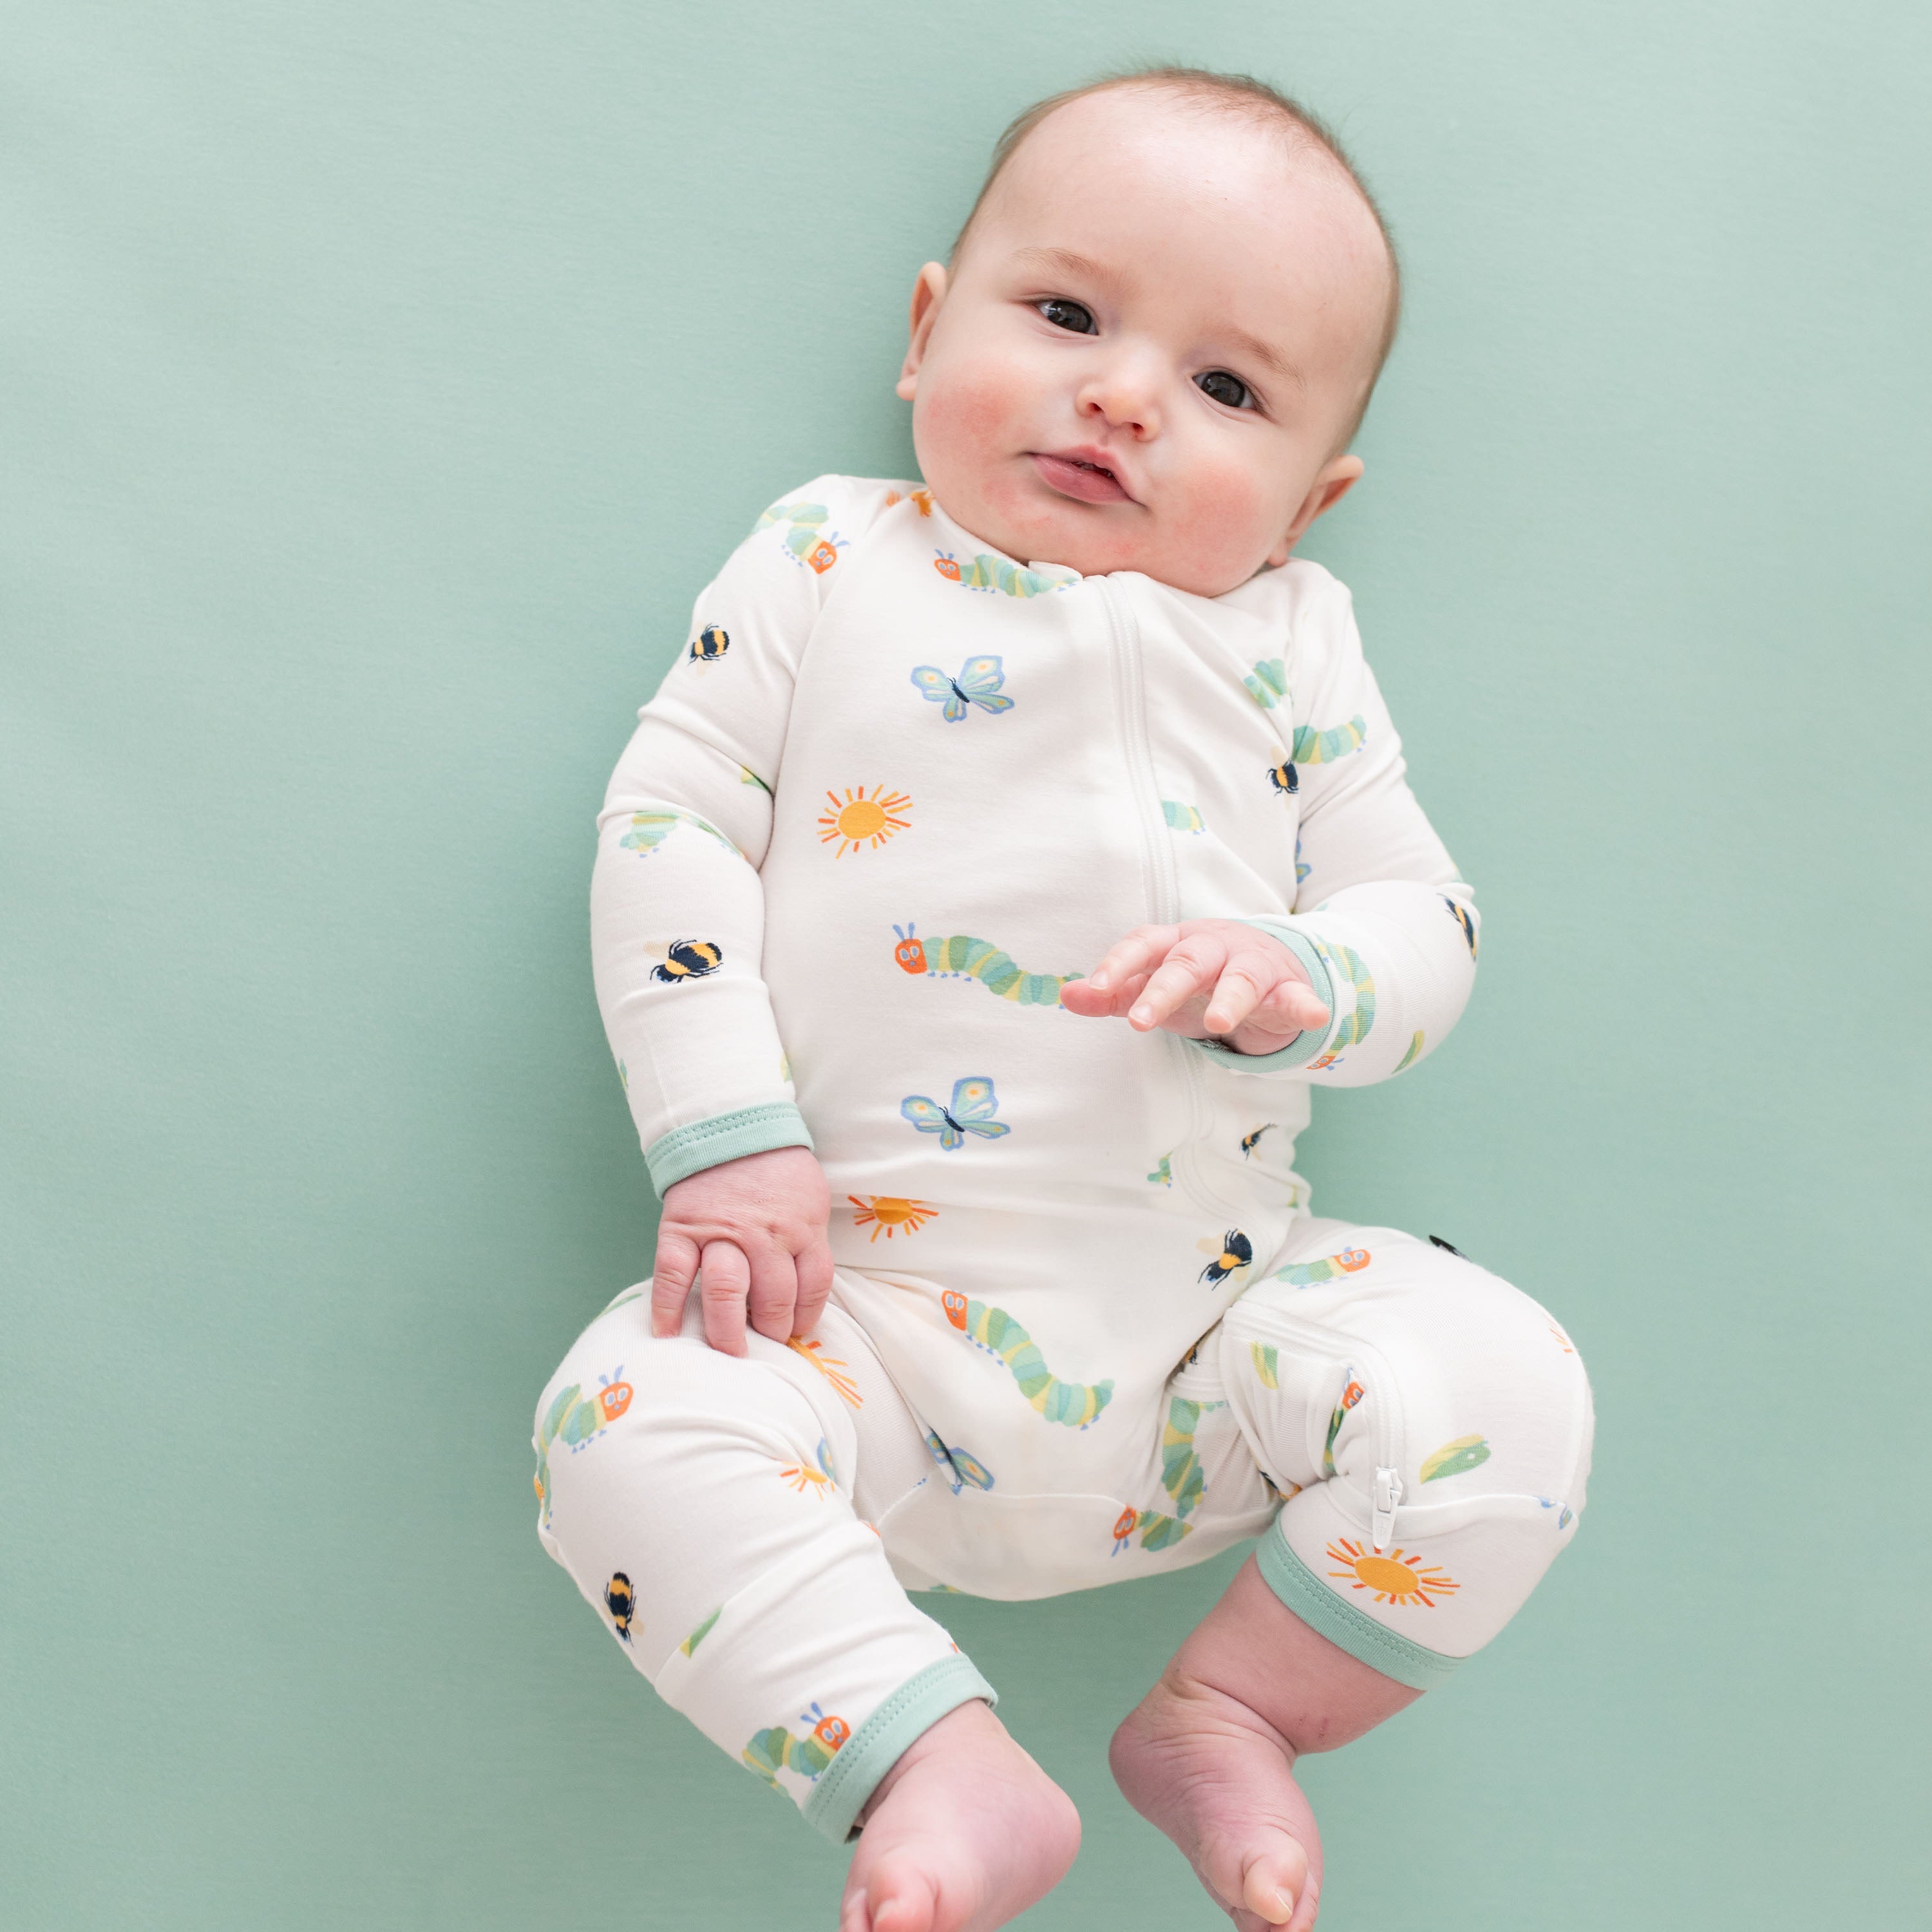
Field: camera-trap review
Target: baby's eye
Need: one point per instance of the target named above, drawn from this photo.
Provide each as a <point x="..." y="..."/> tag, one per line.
<point x="1226" y="388"/>
<point x="1072" y="315"/>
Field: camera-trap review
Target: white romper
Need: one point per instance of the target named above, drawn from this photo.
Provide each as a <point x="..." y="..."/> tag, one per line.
<point x="896" y="791"/>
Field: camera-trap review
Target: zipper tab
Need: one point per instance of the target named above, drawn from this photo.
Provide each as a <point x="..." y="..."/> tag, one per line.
<point x="1387" y="1494"/>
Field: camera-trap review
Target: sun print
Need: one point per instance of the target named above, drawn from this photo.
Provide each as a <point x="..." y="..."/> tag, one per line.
<point x="862" y="818"/>
<point x="1392" y="1579"/>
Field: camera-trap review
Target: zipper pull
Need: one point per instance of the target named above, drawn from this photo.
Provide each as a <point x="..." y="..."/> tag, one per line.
<point x="1387" y="1492"/>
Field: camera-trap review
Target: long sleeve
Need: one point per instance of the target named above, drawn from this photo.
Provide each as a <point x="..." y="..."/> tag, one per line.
<point x="676" y="905"/>
<point x="1386" y="929"/>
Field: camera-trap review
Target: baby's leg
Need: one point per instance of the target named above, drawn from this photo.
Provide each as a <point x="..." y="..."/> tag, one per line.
<point x="704" y="1504"/>
<point x="1430" y="1427"/>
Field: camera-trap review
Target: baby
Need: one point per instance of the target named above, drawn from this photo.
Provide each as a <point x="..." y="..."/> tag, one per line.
<point x="949" y="781"/>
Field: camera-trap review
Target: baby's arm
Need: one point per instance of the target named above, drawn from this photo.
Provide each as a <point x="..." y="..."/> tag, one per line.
<point x="677" y="934"/>
<point x="1376" y="962"/>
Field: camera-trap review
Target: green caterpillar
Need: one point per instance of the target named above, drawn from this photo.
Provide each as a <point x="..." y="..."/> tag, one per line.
<point x="1267" y="686"/>
<point x="1344" y="963"/>
<point x="1351" y="1395"/>
<point x="1267" y="1363"/>
<point x="1320" y="747"/>
<point x="1181" y="1476"/>
<point x="1075" y="1404"/>
<point x="1456" y="1458"/>
<point x="1306" y="1274"/>
<point x="1182" y="818"/>
<point x="649" y="829"/>
<point x="966" y="958"/>
<point x="804" y="539"/>
<point x="995" y="573"/>
<point x="1414" y="1048"/>
<point x="776" y="1750"/>
<point x="575" y="1419"/>
<point x="689" y="1646"/>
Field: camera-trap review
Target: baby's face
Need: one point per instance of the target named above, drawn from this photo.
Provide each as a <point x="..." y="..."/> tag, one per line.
<point x="1149" y="347"/>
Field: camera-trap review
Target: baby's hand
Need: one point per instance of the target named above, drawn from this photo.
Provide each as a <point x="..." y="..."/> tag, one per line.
<point x="1203" y="979"/>
<point x="755" y="1226"/>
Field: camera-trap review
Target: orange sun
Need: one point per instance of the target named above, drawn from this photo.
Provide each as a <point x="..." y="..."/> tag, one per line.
<point x="1392" y="1579"/>
<point x="889" y="1213"/>
<point x="862" y="820"/>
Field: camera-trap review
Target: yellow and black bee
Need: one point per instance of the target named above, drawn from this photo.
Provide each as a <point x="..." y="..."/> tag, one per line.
<point x="690" y="959"/>
<point x="1284" y="778"/>
<point x="1460" y="915"/>
<point x="1248" y="1141"/>
<point x="710" y="644"/>
<point x="620" y="1600"/>
<point x="1236" y="1251"/>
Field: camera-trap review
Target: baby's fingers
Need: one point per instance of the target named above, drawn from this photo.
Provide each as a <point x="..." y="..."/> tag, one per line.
<point x="814" y="1287"/>
<point x="774" y="1293"/>
<point x="1190" y="967"/>
<point x="723" y="1282"/>
<point x="1136" y="956"/>
<point x="670" y="1282"/>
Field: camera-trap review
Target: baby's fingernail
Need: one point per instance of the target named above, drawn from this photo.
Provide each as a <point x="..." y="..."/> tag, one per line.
<point x="1098" y="981"/>
<point x="1143" y="1014"/>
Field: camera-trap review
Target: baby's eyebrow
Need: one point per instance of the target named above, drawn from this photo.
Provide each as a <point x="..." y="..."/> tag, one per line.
<point x="1270" y="358"/>
<point x="1068" y="261"/>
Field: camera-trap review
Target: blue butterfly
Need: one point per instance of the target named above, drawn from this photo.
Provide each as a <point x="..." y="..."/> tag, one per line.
<point x="979" y="678"/>
<point x="973" y="1105"/>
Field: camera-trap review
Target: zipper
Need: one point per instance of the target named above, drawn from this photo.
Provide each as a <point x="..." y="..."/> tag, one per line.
<point x="1385" y="1486"/>
<point x="1162" y="881"/>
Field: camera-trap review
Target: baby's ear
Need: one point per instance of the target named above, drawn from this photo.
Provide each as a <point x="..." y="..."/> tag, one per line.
<point x="1333" y="482"/>
<point x="929" y="291"/>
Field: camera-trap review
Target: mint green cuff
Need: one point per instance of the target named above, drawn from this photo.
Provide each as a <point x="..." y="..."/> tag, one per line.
<point x="878" y="1744"/>
<point x="1304" y="1046"/>
<point x="1318" y="1606"/>
<point x="687" y="1150"/>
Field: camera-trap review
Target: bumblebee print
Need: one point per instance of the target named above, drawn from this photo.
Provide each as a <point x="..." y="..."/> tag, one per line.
<point x="1076" y="1405"/>
<point x="1250" y="1141"/>
<point x="1236" y="1252"/>
<point x="689" y="959"/>
<point x="1284" y="778"/>
<point x="1460" y="914"/>
<point x="710" y="644"/>
<point x="962" y="958"/>
<point x="620" y="1600"/>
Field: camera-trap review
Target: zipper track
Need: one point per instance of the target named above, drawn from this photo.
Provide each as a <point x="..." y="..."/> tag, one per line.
<point x="1160" y="878"/>
<point x="1390" y="1445"/>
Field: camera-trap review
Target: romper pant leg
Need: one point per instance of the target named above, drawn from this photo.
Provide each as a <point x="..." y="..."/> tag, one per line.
<point x="1430" y="1427"/>
<point x="703" y="1505"/>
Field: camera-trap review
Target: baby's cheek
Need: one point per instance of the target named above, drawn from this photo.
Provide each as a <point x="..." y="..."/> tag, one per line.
<point x="1233" y="514"/>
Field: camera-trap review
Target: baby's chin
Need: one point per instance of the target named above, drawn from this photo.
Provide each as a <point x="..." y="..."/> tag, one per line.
<point x="1033" y="524"/>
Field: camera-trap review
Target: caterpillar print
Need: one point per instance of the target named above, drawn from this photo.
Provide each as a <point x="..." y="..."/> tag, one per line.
<point x="1352" y="1393"/>
<point x="776" y="1750"/>
<point x="805" y="540"/>
<point x="1345" y="967"/>
<point x="575" y="1419"/>
<point x="1076" y="1405"/>
<point x="1268" y="683"/>
<point x="1323" y="747"/>
<point x="1181" y="1476"/>
<point x="995" y="573"/>
<point x="1307" y="1274"/>
<point x="649" y="829"/>
<point x="962" y="958"/>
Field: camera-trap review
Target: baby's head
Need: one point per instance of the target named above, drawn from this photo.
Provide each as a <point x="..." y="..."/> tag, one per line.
<point x="1156" y="335"/>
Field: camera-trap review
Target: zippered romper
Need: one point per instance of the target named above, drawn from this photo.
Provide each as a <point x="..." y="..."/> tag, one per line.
<point x="898" y="790"/>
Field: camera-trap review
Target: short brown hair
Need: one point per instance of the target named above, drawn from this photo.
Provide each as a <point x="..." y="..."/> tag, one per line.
<point x="1239" y="94"/>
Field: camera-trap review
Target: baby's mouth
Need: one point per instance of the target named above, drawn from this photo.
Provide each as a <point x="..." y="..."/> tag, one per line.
<point x="1081" y="475"/>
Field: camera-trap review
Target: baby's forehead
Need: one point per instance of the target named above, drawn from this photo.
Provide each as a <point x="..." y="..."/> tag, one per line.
<point x="1143" y="180"/>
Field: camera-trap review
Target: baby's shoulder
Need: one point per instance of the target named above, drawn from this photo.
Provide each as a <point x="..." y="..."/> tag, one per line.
<point x="1310" y="607"/>
<point x="819" y="519"/>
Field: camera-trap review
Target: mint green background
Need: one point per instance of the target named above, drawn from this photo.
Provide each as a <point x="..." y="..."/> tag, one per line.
<point x="378" y="382"/>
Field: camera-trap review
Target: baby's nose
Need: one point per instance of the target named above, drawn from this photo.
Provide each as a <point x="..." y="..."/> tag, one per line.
<point x="1123" y="397"/>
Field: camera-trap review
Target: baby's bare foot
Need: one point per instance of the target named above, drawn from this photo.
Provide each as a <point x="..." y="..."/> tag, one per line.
<point x="965" y="1832"/>
<point x="1215" y="1777"/>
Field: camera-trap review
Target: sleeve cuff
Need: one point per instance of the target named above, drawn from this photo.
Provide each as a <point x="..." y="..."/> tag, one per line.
<point x="1305" y="1046"/>
<point x="687" y="1150"/>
